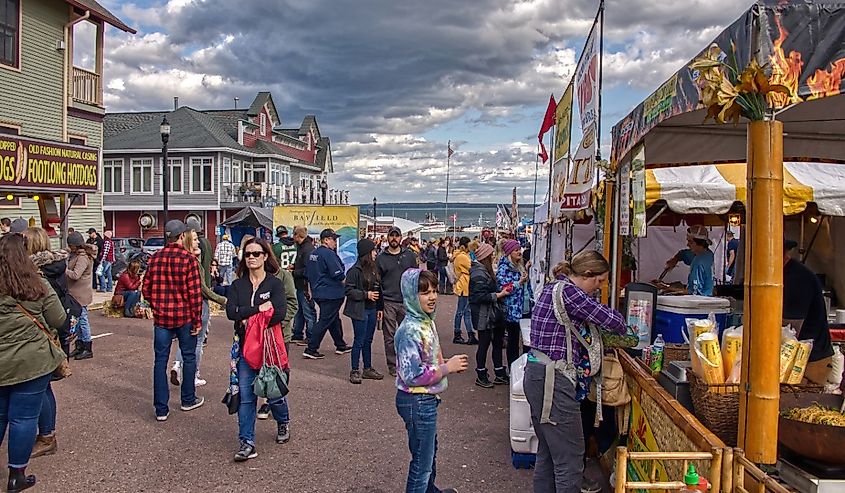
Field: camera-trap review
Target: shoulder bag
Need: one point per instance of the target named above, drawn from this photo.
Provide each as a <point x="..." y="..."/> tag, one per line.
<point x="63" y="370"/>
<point x="271" y="381"/>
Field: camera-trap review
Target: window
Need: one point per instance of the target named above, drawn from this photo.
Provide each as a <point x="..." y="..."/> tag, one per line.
<point x="201" y="172"/>
<point x="113" y="176"/>
<point x="227" y="170"/>
<point x="9" y="32"/>
<point x="9" y="129"/>
<point x="237" y="177"/>
<point x="5" y="203"/>
<point x="174" y="165"/>
<point x="142" y="176"/>
<point x="77" y="141"/>
<point x="263" y="124"/>
<point x="285" y="175"/>
<point x="275" y="176"/>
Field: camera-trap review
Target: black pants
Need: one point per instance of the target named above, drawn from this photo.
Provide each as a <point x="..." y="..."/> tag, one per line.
<point x="329" y="321"/>
<point x="496" y="335"/>
<point x="605" y="433"/>
<point x="514" y="336"/>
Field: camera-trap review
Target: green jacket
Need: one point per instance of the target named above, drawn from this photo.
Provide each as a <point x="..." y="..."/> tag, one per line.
<point x="292" y="304"/>
<point x="205" y="260"/>
<point x="209" y="293"/>
<point x="25" y="351"/>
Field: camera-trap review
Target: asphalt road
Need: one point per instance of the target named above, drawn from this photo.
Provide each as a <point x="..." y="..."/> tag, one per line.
<point x="345" y="438"/>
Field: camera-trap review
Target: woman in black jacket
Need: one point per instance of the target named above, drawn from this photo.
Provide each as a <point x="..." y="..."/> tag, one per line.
<point x="257" y="289"/>
<point x="363" y="306"/>
<point x="487" y="316"/>
<point x="442" y="262"/>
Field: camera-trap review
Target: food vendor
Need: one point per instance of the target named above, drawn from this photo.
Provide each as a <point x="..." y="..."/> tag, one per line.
<point x="700" y="259"/>
<point x="804" y="308"/>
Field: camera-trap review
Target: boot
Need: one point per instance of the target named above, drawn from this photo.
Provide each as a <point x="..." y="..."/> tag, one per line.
<point x="501" y="376"/>
<point x="471" y="340"/>
<point x="482" y="380"/>
<point x="77" y="348"/>
<point x="18" y="480"/>
<point x="44" y="445"/>
<point x="86" y="353"/>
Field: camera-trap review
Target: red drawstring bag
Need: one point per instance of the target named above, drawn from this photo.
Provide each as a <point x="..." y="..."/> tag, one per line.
<point x="253" y="345"/>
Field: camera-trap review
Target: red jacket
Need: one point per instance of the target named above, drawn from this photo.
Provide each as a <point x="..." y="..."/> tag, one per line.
<point x="127" y="283"/>
<point x="253" y="346"/>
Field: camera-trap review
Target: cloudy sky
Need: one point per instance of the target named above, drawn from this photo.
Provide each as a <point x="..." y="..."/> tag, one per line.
<point x="391" y="81"/>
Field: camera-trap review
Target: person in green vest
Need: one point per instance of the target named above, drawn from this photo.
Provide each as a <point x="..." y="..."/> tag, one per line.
<point x="284" y="249"/>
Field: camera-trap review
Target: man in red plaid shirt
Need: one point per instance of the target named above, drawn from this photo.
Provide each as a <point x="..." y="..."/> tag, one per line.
<point x="172" y="287"/>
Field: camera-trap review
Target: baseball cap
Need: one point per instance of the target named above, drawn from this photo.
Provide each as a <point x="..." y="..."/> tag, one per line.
<point x="281" y="230"/>
<point x="394" y="231"/>
<point x="699" y="232"/>
<point x="193" y="223"/>
<point x="19" y="225"/>
<point x="91" y="230"/>
<point x="328" y="233"/>
<point x="789" y="244"/>
<point x="174" y="228"/>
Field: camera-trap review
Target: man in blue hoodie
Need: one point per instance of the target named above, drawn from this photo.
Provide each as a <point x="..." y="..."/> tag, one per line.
<point x="325" y="273"/>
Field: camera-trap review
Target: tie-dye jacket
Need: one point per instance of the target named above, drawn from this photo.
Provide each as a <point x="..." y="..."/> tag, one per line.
<point x="508" y="273"/>
<point x="420" y="368"/>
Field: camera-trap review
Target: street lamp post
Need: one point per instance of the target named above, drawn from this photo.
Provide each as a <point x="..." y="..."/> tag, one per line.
<point x="375" y="216"/>
<point x="165" y="136"/>
<point x="324" y="189"/>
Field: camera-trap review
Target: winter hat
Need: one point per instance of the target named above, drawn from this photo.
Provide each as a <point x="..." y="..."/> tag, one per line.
<point x="365" y="246"/>
<point x="510" y="246"/>
<point x="75" y="239"/>
<point x="19" y="225"/>
<point x="483" y="251"/>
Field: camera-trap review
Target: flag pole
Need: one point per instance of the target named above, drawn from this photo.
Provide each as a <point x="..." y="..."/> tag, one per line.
<point x="448" y="160"/>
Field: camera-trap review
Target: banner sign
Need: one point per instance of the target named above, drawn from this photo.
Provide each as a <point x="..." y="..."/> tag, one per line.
<point x="641" y="439"/>
<point x="342" y="219"/>
<point x="36" y="165"/>
<point x="563" y="125"/>
<point x="811" y="65"/>
<point x="580" y="176"/>
<point x="587" y="80"/>
<point x="638" y="191"/>
<point x="625" y="200"/>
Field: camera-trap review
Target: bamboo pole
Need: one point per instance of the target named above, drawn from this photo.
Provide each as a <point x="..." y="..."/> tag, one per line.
<point x="621" y="469"/>
<point x="759" y="391"/>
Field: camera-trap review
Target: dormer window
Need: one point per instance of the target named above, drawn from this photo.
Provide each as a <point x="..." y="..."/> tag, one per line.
<point x="263" y="124"/>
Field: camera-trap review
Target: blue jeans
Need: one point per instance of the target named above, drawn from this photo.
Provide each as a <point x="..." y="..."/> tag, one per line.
<point x="130" y="299"/>
<point x="306" y="317"/>
<point x="47" y="419"/>
<point x="161" y="346"/>
<point x="225" y="273"/>
<point x="441" y="271"/>
<point x="83" y="328"/>
<point x="247" y="409"/>
<point x="419" y="412"/>
<point x="200" y="337"/>
<point x="329" y="321"/>
<point x="106" y="281"/>
<point x="363" y="344"/>
<point x="463" y="312"/>
<point x="20" y="406"/>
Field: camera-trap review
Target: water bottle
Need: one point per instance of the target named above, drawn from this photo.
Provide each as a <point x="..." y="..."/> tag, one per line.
<point x="657" y="353"/>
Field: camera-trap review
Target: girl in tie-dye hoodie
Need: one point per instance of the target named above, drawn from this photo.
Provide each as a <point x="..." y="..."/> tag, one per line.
<point x="421" y="376"/>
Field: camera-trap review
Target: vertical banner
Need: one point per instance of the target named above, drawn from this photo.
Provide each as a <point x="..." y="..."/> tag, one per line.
<point x="587" y="80"/>
<point x="563" y="125"/>
<point x="638" y="191"/>
<point x="342" y="219"/>
<point x="625" y="199"/>
<point x="579" y="183"/>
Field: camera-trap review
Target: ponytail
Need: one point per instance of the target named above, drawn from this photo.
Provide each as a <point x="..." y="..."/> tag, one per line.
<point x="588" y="263"/>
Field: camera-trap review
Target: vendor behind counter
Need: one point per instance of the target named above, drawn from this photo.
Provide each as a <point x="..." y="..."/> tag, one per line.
<point x="804" y="308"/>
<point x="700" y="259"/>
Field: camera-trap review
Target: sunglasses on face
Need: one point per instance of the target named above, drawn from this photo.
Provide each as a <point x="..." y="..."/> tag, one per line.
<point x="253" y="254"/>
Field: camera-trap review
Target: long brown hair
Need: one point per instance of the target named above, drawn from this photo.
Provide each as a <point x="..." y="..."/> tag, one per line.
<point x="37" y="240"/>
<point x="370" y="271"/>
<point x="19" y="278"/>
<point x="134" y="268"/>
<point x="271" y="265"/>
<point x="487" y="262"/>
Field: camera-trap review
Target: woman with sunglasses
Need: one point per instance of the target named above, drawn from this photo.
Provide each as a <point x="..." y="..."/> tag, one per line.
<point x="256" y="289"/>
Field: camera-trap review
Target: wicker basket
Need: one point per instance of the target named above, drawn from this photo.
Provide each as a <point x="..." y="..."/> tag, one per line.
<point x="717" y="405"/>
<point x="675" y="352"/>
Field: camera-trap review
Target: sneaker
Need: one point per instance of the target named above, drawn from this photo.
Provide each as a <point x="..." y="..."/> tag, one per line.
<point x="176" y="374"/>
<point x="283" y="433"/>
<point x="162" y="418"/>
<point x="205" y="341"/>
<point x="371" y="374"/>
<point x="309" y="354"/>
<point x="355" y="376"/>
<point x="299" y="341"/>
<point x="264" y="411"/>
<point x="199" y="401"/>
<point x="199" y="382"/>
<point x="391" y="372"/>
<point x="246" y="452"/>
<point x="343" y="350"/>
<point x="458" y="340"/>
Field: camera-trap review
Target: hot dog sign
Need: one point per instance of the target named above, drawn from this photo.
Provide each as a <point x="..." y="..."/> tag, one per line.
<point x="33" y="165"/>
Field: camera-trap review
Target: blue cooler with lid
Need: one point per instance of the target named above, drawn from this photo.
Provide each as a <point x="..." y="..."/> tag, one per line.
<point x="672" y="312"/>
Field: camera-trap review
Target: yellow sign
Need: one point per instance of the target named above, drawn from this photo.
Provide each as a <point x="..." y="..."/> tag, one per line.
<point x="40" y="165"/>
<point x="343" y="219"/>
<point x="563" y="125"/>
<point x="641" y="439"/>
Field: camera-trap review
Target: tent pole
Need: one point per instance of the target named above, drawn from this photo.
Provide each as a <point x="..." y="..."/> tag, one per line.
<point x="759" y="389"/>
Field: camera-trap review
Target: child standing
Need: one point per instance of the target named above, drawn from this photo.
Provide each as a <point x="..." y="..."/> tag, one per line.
<point x="421" y="377"/>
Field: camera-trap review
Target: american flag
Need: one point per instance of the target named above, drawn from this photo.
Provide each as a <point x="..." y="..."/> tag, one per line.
<point x="449" y="149"/>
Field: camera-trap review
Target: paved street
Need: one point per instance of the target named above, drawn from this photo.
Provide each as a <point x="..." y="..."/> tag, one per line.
<point x="345" y="438"/>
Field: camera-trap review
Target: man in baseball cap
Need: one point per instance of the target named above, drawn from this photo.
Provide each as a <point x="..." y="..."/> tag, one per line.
<point x="700" y="259"/>
<point x="391" y="263"/>
<point x="19" y="225"/>
<point x="326" y="273"/>
<point x="285" y="248"/>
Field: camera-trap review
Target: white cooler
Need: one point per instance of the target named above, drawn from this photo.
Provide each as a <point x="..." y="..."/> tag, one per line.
<point x="525" y="330"/>
<point x="523" y="439"/>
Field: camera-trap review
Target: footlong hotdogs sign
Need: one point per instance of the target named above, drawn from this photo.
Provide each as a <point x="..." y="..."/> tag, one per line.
<point x="40" y="165"/>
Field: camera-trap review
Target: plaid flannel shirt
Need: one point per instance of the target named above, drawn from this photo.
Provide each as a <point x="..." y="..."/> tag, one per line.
<point x="548" y="336"/>
<point x="173" y="288"/>
<point x="224" y="253"/>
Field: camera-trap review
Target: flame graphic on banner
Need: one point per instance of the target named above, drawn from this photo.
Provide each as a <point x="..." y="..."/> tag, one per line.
<point x="786" y="71"/>
<point x="824" y="84"/>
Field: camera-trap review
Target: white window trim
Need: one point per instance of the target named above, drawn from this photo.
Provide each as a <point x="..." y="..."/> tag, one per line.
<point x="175" y="161"/>
<point x="114" y="163"/>
<point x="19" y="47"/>
<point x="140" y="162"/>
<point x="227" y="170"/>
<point x="199" y="160"/>
<point x="263" y="119"/>
<point x="237" y="177"/>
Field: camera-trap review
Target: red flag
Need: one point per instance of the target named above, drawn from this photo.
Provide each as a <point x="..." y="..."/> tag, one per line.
<point x="548" y="123"/>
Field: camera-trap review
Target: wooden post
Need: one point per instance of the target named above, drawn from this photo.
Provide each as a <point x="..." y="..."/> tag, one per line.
<point x="609" y="223"/>
<point x="759" y="389"/>
<point x="621" y="469"/>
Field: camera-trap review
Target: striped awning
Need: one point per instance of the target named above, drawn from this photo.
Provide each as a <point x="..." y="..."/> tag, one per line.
<point x="712" y="189"/>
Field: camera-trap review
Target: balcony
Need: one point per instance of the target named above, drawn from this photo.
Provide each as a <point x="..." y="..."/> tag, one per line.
<point x="263" y="194"/>
<point x="86" y="87"/>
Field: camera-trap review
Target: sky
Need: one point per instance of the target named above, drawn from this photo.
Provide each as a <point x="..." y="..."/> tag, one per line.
<point x="392" y="81"/>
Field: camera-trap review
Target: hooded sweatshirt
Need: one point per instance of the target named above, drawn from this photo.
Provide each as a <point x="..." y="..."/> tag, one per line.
<point x="390" y="269"/>
<point x="420" y="368"/>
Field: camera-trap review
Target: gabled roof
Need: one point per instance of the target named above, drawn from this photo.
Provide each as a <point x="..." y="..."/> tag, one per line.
<point x="189" y="129"/>
<point x="115" y="123"/>
<point x="323" y="160"/>
<point x="100" y="12"/>
<point x="228" y="119"/>
<point x="264" y="98"/>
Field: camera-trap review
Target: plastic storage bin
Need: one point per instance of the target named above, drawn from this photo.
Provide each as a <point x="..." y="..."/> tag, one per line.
<point x="672" y="312"/>
<point x="523" y="439"/>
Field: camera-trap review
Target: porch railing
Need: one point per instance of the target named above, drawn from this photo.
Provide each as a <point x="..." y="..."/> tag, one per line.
<point x="86" y="87"/>
<point x="268" y="195"/>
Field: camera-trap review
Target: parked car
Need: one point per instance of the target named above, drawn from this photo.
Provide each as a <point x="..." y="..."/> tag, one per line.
<point x="152" y="245"/>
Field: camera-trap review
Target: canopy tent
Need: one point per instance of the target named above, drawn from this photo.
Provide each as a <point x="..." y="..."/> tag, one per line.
<point x="713" y="189"/>
<point x="251" y="217"/>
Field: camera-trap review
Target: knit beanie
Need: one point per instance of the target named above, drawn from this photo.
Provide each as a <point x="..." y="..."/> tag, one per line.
<point x="510" y="246"/>
<point x="365" y="246"/>
<point x="484" y="250"/>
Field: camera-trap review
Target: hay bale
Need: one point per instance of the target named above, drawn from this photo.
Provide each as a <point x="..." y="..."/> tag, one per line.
<point x="110" y="312"/>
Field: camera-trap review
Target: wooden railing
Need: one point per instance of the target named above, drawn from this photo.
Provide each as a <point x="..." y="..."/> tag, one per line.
<point x="623" y="456"/>
<point x="269" y="195"/>
<point x="86" y="87"/>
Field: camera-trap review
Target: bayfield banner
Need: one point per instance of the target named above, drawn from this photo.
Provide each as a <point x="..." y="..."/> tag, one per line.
<point x="342" y="219"/>
<point x="40" y="165"/>
<point x="587" y="80"/>
<point x="579" y="183"/>
<point x="563" y="125"/>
